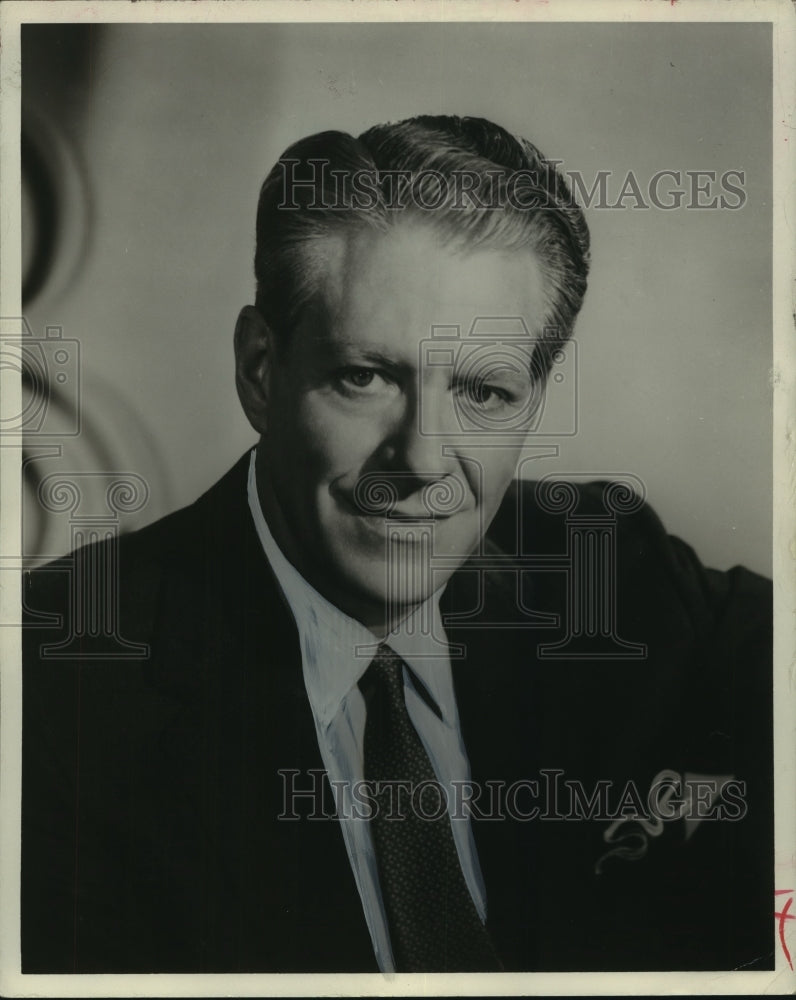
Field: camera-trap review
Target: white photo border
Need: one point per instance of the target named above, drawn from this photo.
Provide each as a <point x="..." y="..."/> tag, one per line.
<point x="780" y="13"/>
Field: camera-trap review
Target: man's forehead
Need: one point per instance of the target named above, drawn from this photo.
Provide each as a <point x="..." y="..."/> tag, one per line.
<point x="409" y="278"/>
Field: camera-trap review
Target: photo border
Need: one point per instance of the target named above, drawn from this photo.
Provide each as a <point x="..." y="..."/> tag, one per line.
<point x="780" y="13"/>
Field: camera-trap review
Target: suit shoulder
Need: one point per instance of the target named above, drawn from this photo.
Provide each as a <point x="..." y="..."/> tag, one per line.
<point x="101" y="601"/>
<point x="139" y="554"/>
<point x="539" y="516"/>
<point x="128" y="575"/>
<point x="549" y="505"/>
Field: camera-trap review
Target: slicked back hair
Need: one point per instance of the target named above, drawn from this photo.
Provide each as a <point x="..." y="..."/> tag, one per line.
<point x="476" y="184"/>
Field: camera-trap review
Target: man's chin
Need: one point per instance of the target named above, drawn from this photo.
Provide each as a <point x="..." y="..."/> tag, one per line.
<point x="380" y="572"/>
<point x="380" y="594"/>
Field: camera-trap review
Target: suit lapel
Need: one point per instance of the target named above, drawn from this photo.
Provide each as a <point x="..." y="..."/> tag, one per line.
<point x="242" y="727"/>
<point x="493" y="683"/>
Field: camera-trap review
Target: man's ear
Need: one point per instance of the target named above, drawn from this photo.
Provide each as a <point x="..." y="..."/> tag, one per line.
<point x="253" y="359"/>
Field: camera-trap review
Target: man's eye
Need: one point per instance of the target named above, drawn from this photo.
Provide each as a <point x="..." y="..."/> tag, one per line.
<point x="360" y="381"/>
<point x="481" y="393"/>
<point x="360" y="377"/>
<point x="484" y="396"/>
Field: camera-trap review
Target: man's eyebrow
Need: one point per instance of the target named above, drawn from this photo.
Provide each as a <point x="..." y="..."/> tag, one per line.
<point x="520" y="374"/>
<point x="346" y="349"/>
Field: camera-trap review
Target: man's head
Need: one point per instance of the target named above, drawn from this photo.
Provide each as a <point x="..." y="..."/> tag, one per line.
<point x="412" y="287"/>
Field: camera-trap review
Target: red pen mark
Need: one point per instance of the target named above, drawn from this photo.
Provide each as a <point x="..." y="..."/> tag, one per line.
<point x="783" y="915"/>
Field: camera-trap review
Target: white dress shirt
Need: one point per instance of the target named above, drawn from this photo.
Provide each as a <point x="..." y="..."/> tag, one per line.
<point x="335" y="652"/>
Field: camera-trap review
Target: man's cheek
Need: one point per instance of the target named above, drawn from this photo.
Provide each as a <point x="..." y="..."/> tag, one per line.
<point x="314" y="448"/>
<point x="495" y="477"/>
<point x="340" y="441"/>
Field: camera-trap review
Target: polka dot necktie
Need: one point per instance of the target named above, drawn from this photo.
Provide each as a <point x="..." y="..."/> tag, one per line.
<point x="434" y="925"/>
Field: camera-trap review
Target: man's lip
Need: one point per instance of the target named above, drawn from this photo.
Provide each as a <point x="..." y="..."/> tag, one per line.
<point x="412" y="515"/>
<point x="401" y="515"/>
<point x="397" y="513"/>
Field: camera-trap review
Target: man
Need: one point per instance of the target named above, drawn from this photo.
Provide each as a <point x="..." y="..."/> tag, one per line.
<point x="390" y="709"/>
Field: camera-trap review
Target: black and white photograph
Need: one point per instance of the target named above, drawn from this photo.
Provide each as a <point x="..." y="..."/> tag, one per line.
<point x="397" y="477"/>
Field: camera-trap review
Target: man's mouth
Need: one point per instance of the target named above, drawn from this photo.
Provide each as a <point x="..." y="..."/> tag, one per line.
<point x="412" y="515"/>
<point x="412" y="531"/>
<point x="409" y="516"/>
<point x="436" y="501"/>
<point x="400" y="514"/>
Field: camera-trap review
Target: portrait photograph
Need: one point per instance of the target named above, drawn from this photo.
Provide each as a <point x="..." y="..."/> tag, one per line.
<point x="397" y="502"/>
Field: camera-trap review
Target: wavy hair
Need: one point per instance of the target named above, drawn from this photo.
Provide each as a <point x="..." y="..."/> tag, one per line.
<point x="332" y="183"/>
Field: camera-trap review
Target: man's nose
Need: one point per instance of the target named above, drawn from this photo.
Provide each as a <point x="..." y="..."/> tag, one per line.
<point x="418" y="470"/>
<point x="424" y="443"/>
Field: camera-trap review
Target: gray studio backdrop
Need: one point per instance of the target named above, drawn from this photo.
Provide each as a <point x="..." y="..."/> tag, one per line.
<point x="156" y="139"/>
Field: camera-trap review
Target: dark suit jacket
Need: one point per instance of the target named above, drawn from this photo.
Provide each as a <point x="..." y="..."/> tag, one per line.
<point x="151" y="785"/>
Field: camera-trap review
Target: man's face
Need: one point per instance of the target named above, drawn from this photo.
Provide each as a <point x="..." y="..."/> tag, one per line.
<point x="362" y="410"/>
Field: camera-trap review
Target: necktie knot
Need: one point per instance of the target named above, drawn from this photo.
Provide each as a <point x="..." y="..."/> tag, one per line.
<point x="383" y="682"/>
<point x="385" y="674"/>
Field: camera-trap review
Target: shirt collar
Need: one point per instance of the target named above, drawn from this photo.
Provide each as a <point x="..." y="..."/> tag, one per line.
<point x="336" y="649"/>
